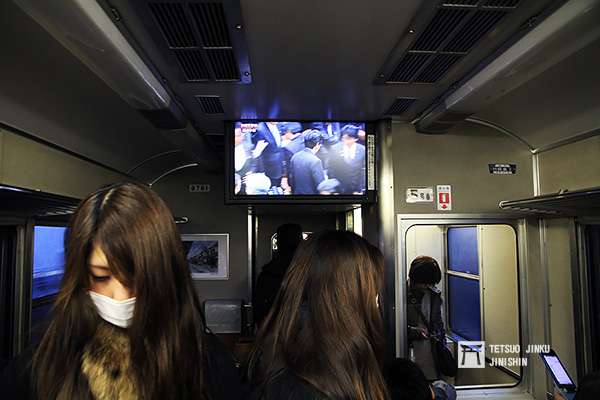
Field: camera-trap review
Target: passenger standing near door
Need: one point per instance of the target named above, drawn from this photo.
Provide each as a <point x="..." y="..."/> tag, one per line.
<point x="126" y="323"/>
<point x="424" y="314"/>
<point x="269" y="281"/>
<point x="324" y="337"/>
<point x="306" y="169"/>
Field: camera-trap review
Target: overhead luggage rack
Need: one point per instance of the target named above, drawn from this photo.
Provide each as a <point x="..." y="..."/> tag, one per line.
<point x="564" y="203"/>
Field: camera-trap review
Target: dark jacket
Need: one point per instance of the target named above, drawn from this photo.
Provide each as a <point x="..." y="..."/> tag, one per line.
<point x="271" y="159"/>
<point x="224" y="381"/>
<point x="430" y="319"/>
<point x="350" y="173"/>
<point x="268" y="284"/>
<point x="286" y="386"/>
<point x="294" y="146"/>
<point x="306" y="172"/>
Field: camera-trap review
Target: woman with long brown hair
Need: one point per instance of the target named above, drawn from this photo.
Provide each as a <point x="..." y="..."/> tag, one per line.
<point x="126" y="323"/>
<point x="323" y="338"/>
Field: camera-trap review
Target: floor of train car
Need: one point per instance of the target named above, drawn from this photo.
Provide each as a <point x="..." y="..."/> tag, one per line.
<point x="483" y="376"/>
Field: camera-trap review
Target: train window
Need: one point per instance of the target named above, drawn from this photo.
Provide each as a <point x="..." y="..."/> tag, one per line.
<point x="48" y="270"/>
<point x="462" y="250"/>
<point x="464" y="301"/>
<point x="48" y="260"/>
<point x="479" y="289"/>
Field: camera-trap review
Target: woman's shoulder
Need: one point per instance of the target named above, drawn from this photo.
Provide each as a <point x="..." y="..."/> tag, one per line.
<point x="286" y="386"/>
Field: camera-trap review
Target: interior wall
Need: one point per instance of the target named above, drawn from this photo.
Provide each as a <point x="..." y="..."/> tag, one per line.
<point x="498" y="266"/>
<point x="207" y="213"/>
<point x="459" y="158"/>
<point x="28" y="164"/>
<point x="573" y="166"/>
<point x="560" y="291"/>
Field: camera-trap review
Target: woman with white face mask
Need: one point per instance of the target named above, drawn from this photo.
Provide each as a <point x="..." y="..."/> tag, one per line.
<point x="126" y="322"/>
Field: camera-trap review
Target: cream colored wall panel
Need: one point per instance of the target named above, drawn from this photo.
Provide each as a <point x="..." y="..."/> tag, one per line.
<point x="32" y="165"/>
<point x="498" y="258"/>
<point x="459" y="158"/>
<point x="574" y="166"/>
<point x="562" y="324"/>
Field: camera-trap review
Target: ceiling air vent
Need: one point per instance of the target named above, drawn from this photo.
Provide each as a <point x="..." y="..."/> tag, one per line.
<point x="479" y="25"/>
<point x="192" y="64"/>
<point x="460" y="3"/>
<point x="440" y="27"/>
<point x="501" y="3"/>
<point x="174" y="24"/>
<point x="437" y="68"/>
<point x="206" y="39"/>
<point x="443" y="36"/>
<point x="210" y="104"/>
<point x="223" y="64"/>
<point x="212" y="24"/>
<point x="408" y="67"/>
<point x="401" y="105"/>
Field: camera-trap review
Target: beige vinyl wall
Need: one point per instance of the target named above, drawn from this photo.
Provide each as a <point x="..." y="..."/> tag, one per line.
<point x="459" y="158"/>
<point x="573" y="166"/>
<point x="32" y="165"/>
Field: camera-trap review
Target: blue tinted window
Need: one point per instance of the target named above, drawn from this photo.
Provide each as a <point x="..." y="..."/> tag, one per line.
<point x="464" y="307"/>
<point x="462" y="250"/>
<point x="48" y="260"/>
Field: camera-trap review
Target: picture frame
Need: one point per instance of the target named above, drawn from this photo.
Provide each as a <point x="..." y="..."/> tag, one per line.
<point x="207" y="255"/>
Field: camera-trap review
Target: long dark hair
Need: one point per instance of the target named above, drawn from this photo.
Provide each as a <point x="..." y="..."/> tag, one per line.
<point x="135" y="230"/>
<point x="324" y="326"/>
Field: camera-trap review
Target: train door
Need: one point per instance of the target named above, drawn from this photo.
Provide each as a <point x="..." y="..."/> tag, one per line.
<point x="481" y="293"/>
<point x="8" y="235"/>
<point x="592" y="269"/>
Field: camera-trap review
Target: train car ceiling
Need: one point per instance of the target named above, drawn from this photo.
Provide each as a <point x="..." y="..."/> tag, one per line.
<point x="188" y="66"/>
<point x="565" y="32"/>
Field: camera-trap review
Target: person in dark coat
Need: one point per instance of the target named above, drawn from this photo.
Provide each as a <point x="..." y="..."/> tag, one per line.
<point x="306" y="169"/>
<point x="289" y="236"/>
<point x="292" y="141"/>
<point x="324" y="337"/>
<point x="424" y="313"/>
<point x="347" y="162"/>
<point x="270" y="160"/>
<point x="406" y="381"/>
<point x="127" y="322"/>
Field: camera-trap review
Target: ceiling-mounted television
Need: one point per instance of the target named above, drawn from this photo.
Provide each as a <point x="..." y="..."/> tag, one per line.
<point x="300" y="162"/>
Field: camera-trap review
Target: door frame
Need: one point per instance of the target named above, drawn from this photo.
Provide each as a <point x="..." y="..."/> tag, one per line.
<point x="404" y="222"/>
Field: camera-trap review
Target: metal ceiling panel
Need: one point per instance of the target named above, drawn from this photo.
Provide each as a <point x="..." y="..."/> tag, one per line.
<point x="46" y="92"/>
<point x="199" y="34"/>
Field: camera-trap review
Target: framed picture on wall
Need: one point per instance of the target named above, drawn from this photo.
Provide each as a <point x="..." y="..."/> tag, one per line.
<point x="207" y="255"/>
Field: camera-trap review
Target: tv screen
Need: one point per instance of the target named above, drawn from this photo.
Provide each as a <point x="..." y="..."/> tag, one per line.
<point x="288" y="159"/>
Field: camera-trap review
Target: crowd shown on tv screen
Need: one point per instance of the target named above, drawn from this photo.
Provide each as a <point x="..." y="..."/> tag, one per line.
<point x="293" y="158"/>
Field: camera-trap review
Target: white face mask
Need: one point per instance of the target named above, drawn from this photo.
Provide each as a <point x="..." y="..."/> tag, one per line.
<point x="119" y="313"/>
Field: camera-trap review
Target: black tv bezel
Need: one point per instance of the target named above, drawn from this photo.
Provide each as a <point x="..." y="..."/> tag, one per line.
<point x="370" y="196"/>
